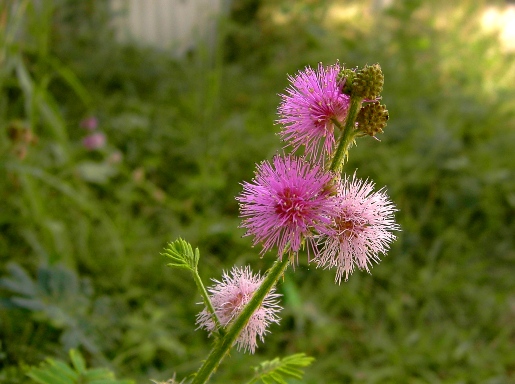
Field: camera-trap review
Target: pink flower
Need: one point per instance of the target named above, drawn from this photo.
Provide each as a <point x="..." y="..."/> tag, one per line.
<point x="89" y="123"/>
<point x="312" y="101"/>
<point x="94" y="141"/>
<point x="363" y="228"/>
<point x="230" y="295"/>
<point x="286" y="203"/>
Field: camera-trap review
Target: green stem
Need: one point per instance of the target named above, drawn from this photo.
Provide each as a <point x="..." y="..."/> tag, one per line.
<point x="348" y="134"/>
<point x="207" y="301"/>
<point x="224" y="344"/>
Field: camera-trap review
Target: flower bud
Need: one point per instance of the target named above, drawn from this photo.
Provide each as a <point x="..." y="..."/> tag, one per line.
<point x="368" y="82"/>
<point x="372" y="118"/>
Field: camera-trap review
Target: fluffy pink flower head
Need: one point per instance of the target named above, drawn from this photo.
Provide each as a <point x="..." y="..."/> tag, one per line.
<point x="230" y="295"/>
<point x="311" y="102"/>
<point x="363" y="228"/>
<point x="286" y="203"/>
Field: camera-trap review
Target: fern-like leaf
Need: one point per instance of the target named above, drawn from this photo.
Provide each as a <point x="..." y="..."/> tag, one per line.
<point x="57" y="372"/>
<point x="182" y="255"/>
<point x="57" y="296"/>
<point x="276" y="371"/>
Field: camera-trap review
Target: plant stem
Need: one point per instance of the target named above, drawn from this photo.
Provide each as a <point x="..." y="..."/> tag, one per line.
<point x="207" y="301"/>
<point x="347" y="135"/>
<point x="224" y="344"/>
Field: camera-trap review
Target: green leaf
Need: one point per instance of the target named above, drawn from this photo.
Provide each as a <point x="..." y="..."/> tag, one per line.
<point x="49" y="111"/>
<point x="57" y="372"/>
<point x="96" y="172"/>
<point x="26" y="83"/>
<point x="73" y="81"/>
<point x="277" y="370"/>
<point x="65" y="369"/>
<point x="53" y="371"/>
<point x="111" y="381"/>
<point x="68" y="191"/>
<point x="98" y="374"/>
<point x="78" y="361"/>
<point x="182" y="255"/>
<point x="44" y="376"/>
<point x="20" y="282"/>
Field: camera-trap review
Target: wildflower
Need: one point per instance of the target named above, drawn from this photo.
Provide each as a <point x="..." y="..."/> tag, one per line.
<point x="94" y="141"/>
<point x="312" y="101"/>
<point x="363" y="228"/>
<point x="230" y="296"/>
<point x="89" y="123"/>
<point x="285" y="203"/>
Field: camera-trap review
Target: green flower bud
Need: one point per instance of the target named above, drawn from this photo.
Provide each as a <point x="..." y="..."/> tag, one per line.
<point x="368" y="82"/>
<point x="372" y="118"/>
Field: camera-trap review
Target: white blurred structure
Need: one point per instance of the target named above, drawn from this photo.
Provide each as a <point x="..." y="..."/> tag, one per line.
<point x="501" y="20"/>
<point x="174" y="25"/>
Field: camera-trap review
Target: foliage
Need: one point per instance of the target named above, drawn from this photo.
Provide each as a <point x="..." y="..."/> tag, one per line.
<point x="55" y="371"/>
<point x="182" y="255"/>
<point x="276" y="370"/>
<point x="57" y="297"/>
<point x="87" y="227"/>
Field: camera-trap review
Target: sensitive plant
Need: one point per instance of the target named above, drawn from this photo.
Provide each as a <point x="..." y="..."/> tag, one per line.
<point x="300" y="203"/>
<point x="230" y="296"/>
<point x="285" y="203"/>
<point x="362" y="229"/>
<point x="309" y="106"/>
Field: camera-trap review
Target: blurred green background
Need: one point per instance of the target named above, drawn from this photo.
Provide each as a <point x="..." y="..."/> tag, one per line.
<point x="81" y="230"/>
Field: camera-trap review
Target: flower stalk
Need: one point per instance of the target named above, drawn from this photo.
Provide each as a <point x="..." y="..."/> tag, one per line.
<point x="207" y="301"/>
<point x="224" y="344"/>
<point x="348" y="134"/>
<point x="183" y="257"/>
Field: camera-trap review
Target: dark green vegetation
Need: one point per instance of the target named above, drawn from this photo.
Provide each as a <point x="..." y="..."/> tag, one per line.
<point x="81" y="231"/>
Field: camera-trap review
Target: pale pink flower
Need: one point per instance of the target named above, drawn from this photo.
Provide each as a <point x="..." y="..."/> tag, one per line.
<point x="313" y="99"/>
<point x="286" y="203"/>
<point x="230" y="295"/>
<point x="94" y="141"/>
<point x="363" y="228"/>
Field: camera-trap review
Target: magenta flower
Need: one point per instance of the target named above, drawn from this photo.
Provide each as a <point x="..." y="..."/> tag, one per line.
<point x="89" y="123"/>
<point x="286" y="203"/>
<point x="363" y="228"/>
<point x="312" y="101"/>
<point x="229" y="296"/>
<point x="94" y="141"/>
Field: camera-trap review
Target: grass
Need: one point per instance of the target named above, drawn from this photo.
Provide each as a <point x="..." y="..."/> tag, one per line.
<point x="88" y="227"/>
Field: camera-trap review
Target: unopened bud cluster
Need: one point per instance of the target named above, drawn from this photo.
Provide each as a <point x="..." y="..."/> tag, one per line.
<point x="372" y="118"/>
<point x="366" y="84"/>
